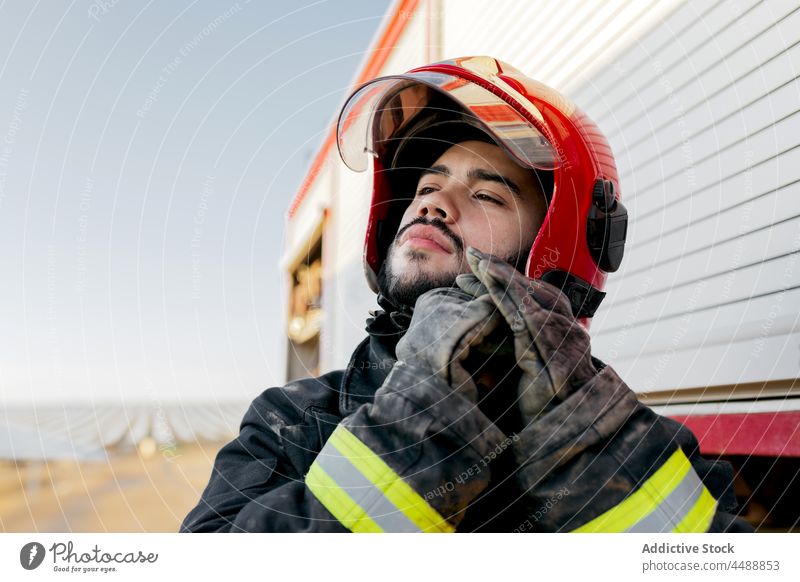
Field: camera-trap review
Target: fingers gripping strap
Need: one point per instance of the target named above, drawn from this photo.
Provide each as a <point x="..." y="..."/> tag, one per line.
<point x="364" y="493"/>
<point x="672" y="499"/>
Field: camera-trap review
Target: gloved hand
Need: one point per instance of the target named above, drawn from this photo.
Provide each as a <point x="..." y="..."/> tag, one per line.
<point x="552" y="349"/>
<point x="424" y="422"/>
<point x="446" y="326"/>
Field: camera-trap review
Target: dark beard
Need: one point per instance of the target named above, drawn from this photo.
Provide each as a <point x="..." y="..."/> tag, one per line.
<point x="404" y="293"/>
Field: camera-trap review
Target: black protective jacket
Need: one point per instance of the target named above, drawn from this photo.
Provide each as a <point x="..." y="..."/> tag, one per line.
<point x="592" y="462"/>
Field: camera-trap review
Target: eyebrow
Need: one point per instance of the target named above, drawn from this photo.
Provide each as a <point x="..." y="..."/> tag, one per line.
<point x="440" y="169"/>
<point x="476" y="174"/>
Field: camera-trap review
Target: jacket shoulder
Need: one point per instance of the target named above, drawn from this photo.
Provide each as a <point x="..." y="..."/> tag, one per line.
<point x="288" y="405"/>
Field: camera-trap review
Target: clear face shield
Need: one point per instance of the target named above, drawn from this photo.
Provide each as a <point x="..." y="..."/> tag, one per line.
<point x="382" y="109"/>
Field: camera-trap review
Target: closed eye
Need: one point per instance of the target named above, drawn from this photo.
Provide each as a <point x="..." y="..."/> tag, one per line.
<point x="487" y="198"/>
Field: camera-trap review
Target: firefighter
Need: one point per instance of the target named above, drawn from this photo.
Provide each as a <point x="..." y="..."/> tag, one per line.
<point x="474" y="403"/>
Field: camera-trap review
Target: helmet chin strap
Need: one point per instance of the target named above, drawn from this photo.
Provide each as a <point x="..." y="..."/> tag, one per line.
<point x="583" y="298"/>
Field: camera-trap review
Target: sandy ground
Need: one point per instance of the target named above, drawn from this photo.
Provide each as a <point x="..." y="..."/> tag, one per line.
<point x="132" y="491"/>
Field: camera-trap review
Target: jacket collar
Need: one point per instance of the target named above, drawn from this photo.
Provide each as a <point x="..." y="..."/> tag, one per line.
<point x="373" y="359"/>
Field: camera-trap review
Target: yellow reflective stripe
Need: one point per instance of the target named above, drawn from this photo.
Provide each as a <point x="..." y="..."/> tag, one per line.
<point x="644" y="500"/>
<point x="699" y="518"/>
<point x="338" y="502"/>
<point x="400" y="493"/>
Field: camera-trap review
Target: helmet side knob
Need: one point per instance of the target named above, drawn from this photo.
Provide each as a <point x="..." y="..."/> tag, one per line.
<point x="607" y="227"/>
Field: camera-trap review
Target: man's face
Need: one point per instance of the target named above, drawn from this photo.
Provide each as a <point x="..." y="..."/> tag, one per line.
<point x="472" y="195"/>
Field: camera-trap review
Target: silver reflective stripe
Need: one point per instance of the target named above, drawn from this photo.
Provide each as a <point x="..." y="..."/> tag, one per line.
<point x="371" y="499"/>
<point x="674" y="508"/>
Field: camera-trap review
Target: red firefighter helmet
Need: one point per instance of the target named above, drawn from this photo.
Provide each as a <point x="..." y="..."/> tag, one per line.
<point x="582" y="237"/>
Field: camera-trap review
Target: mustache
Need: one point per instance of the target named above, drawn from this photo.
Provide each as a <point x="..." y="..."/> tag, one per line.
<point x="438" y="224"/>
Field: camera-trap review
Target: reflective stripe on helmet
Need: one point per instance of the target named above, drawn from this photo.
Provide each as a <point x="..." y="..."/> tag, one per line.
<point x="673" y="499"/>
<point x="364" y="493"/>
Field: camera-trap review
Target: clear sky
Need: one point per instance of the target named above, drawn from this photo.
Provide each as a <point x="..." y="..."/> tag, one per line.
<point x="148" y="154"/>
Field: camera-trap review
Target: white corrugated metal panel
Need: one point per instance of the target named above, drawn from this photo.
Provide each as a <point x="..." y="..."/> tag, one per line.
<point x="700" y="103"/>
<point x="557" y="42"/>
<point x="411" y="49"/>
<point x="703" y="116"/>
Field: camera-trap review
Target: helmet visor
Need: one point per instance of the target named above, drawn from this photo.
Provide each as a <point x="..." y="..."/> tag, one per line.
<point x="379" y="111"/>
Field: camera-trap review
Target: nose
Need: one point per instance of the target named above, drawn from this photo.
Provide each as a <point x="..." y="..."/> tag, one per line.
<point x="439" y="204"/>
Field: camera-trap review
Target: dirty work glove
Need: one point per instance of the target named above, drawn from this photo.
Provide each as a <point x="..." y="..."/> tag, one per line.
<point x="424" y="441"/>
<point x="592" y="457"/>
<point x="552" y="349"/>
<point x="447" y="324"/>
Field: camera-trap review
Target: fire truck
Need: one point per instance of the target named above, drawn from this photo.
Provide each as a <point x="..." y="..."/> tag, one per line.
<point x="700" y="105"/>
